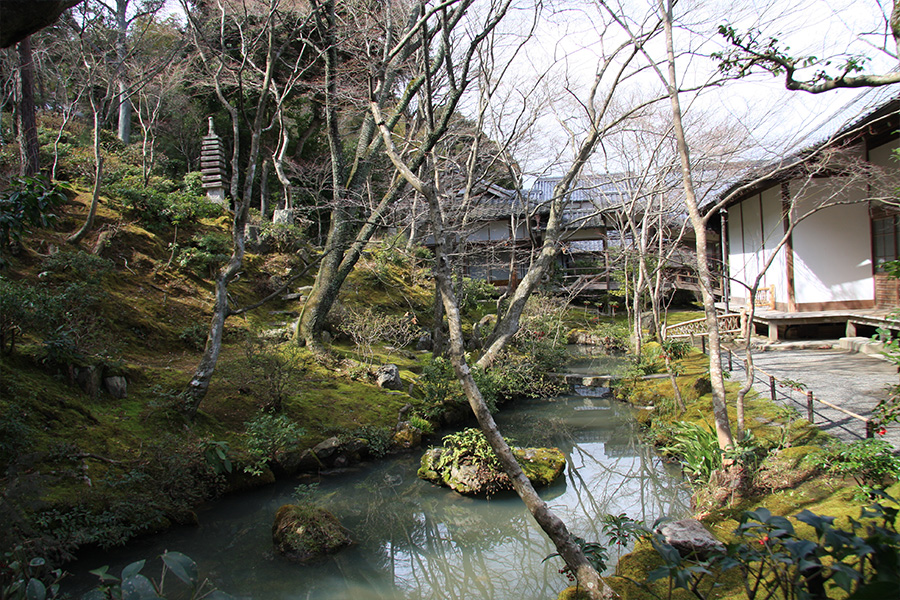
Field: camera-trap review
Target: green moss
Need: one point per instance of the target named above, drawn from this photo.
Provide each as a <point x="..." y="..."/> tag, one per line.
<point x="303" y="532"/>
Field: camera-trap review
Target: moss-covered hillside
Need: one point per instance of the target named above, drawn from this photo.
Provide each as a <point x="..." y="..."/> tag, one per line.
<point x="85" y="460"/>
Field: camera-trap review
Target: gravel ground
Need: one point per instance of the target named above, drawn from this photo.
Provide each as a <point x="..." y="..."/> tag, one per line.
<point x="855" y="382"/>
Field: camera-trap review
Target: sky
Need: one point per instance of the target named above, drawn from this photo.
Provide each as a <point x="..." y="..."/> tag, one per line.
<point x="573" y="39"/>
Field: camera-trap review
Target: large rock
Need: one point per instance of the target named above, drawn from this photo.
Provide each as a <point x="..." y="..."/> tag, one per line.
<point x="690" y="538"/>
<point x="407" y="435"/>
<point x="117" y="386"/>
<point x="304" y="532"/>
<point x="388" y="377"/>
<point x="424" y="343"/>
<point x="542" y="466"/>
<point x="327" y="449"/>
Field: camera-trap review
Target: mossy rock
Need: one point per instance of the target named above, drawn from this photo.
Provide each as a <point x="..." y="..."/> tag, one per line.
<point x="542" y="466"/>
<point x="304" y="532"/>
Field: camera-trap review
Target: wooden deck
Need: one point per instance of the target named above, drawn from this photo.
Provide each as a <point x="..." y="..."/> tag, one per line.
<point x="778" y="321"/>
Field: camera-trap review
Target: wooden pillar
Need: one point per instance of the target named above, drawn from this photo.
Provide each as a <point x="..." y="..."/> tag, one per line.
<point x="788" y="248"/>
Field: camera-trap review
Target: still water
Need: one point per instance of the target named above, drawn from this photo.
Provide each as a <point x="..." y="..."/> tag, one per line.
<point x="417" y="541"/>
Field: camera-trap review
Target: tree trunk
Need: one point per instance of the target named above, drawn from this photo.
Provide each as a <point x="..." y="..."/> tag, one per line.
<point x="28" y="129"/>
<point x="98" y="178"/>
<point x="121" y="54"/>
<point x="588" y="578"/>
<point x="717" y="380"/>
<point x="196" y="389"/>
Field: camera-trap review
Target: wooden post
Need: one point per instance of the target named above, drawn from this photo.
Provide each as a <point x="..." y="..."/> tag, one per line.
<point x="870" y="429"/>
<point x="809" y="407"/>
<point x="772" y="386"/>
<point x="703" y="344"/>
<point x="729" y="360"/>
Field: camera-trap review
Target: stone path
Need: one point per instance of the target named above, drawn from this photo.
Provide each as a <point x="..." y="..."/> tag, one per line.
<point x="855" y="382"/>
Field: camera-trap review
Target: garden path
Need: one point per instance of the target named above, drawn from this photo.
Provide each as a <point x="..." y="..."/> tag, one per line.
<point x="855" y="382"/>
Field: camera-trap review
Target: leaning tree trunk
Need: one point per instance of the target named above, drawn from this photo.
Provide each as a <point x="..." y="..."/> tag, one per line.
<point x="717" y="380"/>
<point x="588" y="578"/>
<point x="196" y="389"/>
<point x="98" y="178"/>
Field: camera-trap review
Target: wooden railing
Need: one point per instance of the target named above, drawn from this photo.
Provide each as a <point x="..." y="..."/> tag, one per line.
<point x="728" y="323"/>
<point x="765" y="297"/>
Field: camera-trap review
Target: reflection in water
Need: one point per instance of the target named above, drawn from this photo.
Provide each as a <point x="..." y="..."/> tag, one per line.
<point x="417" y="541"/>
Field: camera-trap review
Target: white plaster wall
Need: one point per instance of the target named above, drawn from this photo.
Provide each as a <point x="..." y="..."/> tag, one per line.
<point x="773" y="231"/>
<point x="737" y="259"/>
<point x="499" y="230"/>
<point x="832" y="248"/>
<point x="753" y="238"/>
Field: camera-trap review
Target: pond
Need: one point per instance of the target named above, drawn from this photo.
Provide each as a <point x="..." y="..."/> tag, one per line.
<point x="418" y="541"/>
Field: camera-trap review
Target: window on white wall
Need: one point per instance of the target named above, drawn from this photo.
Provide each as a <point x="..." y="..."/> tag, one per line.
<point x="886" y="236"/>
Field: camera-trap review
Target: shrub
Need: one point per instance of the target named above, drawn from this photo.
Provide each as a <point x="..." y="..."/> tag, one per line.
<point x="367" y="327"/>
<point x="281" y="237"/>
<point x="378" y="439"/>
<point x="21" y="308"/>
<point x="194" y="336"/>
<point x="30" y="202"/>
<point x="267" y="437"/>
<point x="871" y="463"/>
<point x="206" y="253"/>
<point x="774" y="562"/>
<point x="161" y="203"/>
<point x="272" y="369"/>
<point x="473" y="292"/>
<point x="80" y="264"/>
<point x="439" y="385"/>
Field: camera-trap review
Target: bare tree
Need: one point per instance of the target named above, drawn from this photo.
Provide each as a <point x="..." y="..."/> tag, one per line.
<point x="269" y="64"/>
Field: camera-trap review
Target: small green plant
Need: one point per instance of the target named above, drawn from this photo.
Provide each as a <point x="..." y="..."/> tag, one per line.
<point x="871" y="463"/>
<point x="697" y="449"/>
<point x="132" y="585"/>
<point x="305" y="492"/>
<point x="267" y="437"/>
<point x="594" y="552"/>
<point x="216" y="455"/>
<point x="378" y="439"/>
<point x="422" y="424"/>
<point x="676" y="349"/>
<point x="194" y="335"/>
<point x="468" y="446"/>
<point x="24" y="578"/>
<point x="797" y="386"/>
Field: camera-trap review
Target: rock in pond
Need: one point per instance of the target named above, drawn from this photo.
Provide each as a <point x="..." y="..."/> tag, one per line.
<point x="304" y="532"/>
<point x="542" y="466"/>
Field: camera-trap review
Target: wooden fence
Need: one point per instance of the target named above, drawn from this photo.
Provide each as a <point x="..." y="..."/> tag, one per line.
<point x="811" y="399"/>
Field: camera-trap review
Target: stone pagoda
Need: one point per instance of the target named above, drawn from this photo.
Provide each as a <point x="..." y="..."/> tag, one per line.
<point x="212" y="166"/>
